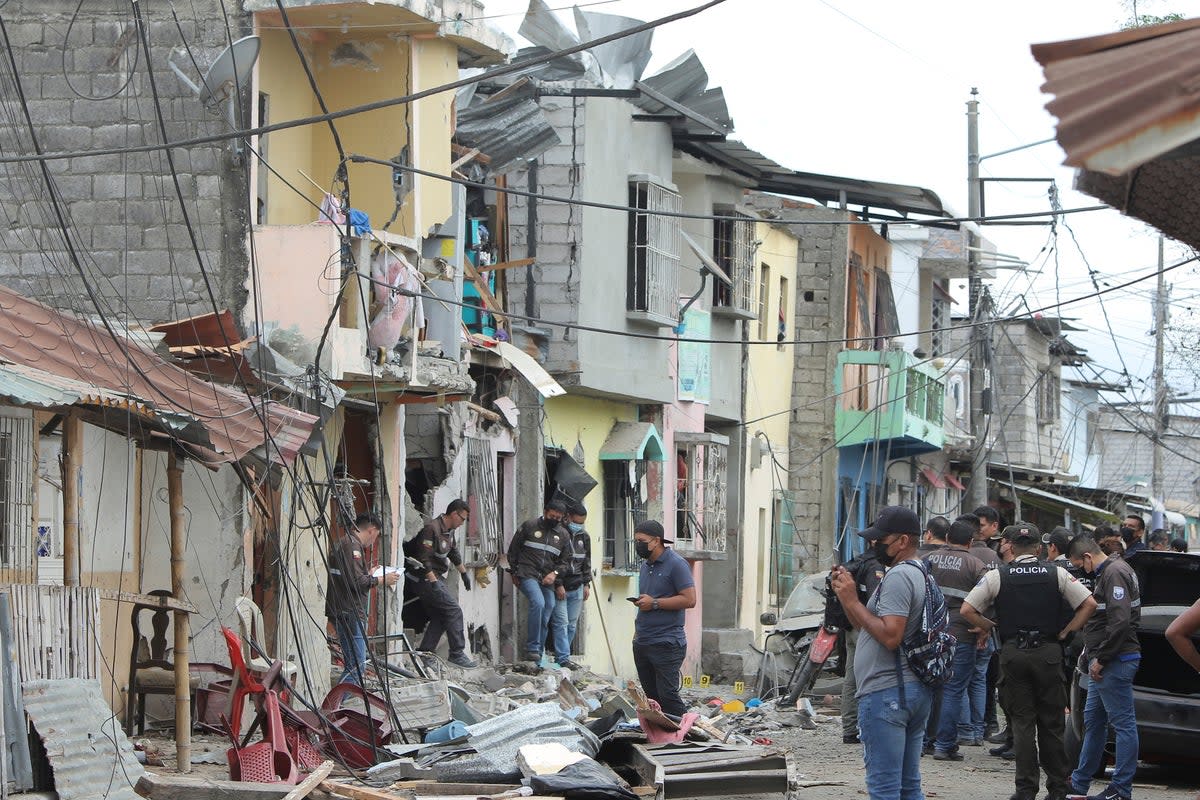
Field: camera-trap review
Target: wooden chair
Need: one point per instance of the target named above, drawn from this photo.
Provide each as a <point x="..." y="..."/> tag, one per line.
<point x="150" y="671"/>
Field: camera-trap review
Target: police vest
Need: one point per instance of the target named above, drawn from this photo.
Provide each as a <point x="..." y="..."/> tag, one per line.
<point x="1029" y="599"/>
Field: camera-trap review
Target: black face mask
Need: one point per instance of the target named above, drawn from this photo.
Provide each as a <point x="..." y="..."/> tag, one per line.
<point x="1128" y="535"/>
<point x="882" y="555"/>
<point x="642" y="549"/>
<point x="548" y="524"/>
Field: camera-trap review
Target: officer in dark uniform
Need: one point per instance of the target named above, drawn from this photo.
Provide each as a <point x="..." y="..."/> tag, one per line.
<point x="348" y="592"/>
<point x="435" y="547"/>
<point x="536" y="557"/>
<point x="1031" y="654"/>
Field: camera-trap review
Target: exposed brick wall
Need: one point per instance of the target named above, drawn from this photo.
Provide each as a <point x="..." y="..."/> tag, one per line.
<point x="125" y="218"/>
<point x="1126" y="453"/>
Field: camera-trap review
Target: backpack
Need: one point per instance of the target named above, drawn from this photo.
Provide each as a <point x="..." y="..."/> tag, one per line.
<point x="930" y="649"/>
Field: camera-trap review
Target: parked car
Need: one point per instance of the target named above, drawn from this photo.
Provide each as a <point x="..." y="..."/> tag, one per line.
<point x="1166" y="691"/>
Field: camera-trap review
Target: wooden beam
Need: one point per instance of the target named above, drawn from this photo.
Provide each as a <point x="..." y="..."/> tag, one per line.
<point x="309" y="784"/>
<point x="490" y="416"/>
<point x="465" y="158"/>
<point x="489" y="299"/>
<point x="72" y="455"/>
<point x="460" y="150"/>
<point x="174" y="787"/>
<point x="520" y="262"/>
<point x="182" y="622"/>
<point x="359" y="792"/>
<point x="147" y="600"/>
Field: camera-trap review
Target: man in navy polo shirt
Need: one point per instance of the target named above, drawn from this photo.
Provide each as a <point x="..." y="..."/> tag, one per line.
<point x="666" y="589"/>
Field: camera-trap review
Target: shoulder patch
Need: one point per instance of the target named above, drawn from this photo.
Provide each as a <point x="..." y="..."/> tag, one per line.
<point x="358" y="553"/>
<point x="1118" y="593"/>
<point x="427" y="543"/>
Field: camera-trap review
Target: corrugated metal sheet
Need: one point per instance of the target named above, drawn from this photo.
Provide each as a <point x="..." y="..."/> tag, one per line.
<point x="507" y="127"/>
<point x="35" y="336"/>
<point x="87" y="748"/>
<point x="1124" y="98"/>
<point x="497" y="740"/>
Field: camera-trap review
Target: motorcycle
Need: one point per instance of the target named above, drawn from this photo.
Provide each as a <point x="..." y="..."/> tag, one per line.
<point x="809" y="637"/>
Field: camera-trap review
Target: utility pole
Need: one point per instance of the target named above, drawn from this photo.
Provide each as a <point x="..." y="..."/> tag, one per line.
<point x="977" y="489"/>
<point x="1157" y="492"/>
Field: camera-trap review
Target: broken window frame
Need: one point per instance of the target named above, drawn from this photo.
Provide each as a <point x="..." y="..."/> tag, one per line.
<point x="624" y="508"/>
<point x="733" y="250"/>
<point x="18" y="549"/>
<point x="701" y="511"/>
<point x="483" y="539"/>
<point x="1048" y="391"/>
<point x="652" y="269"/>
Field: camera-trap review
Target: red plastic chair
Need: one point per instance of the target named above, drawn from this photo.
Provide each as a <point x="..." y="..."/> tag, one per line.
<point x="246" y="682"/>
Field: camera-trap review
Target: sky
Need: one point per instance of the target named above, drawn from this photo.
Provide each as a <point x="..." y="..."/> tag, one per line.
<point x="878" y="90"/>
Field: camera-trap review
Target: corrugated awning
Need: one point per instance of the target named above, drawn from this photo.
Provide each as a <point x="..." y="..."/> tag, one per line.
<point x="1040" y="497"/>
<point x="116" y="369"/>
<point x="933" y="478"/>
<point x="633" y="441"/>
<point x="951" y="479"/>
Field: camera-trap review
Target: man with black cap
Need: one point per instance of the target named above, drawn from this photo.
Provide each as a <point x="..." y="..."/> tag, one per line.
<point x="893" y="704"/>
<point x="1031" y="654"/>
<point x="665" y="590"/>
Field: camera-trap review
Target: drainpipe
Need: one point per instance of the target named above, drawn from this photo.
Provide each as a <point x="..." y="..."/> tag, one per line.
<point x="531" y="242"/>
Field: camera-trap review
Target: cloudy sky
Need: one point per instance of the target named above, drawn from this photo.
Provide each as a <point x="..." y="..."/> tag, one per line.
<point x="877" y="90"/>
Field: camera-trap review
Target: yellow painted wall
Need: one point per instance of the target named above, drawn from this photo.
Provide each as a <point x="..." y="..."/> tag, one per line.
<point x="768" y="391"/>
<point x="587" y="421"/>
<point x="354" y="69"/>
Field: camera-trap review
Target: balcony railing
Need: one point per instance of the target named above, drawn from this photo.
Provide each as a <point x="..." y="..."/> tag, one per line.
<point x="888" y="396"/>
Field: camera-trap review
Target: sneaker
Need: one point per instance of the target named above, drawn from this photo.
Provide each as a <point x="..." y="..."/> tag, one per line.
<point x="1003" y="751"/>
<point x="1109" y="793"/>
<point x="952" y="755"/>
<point x="851" y="738"/>
<point x="927" y="750"/>
<point x="534" y="657"/>
<point x="462" y="660"/>
<point x="569" y="664"/>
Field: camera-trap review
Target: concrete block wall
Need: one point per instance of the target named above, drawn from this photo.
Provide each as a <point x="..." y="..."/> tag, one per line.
<point x="1020" y="357"/>
<point x="124" y="217"/>
<point x="559" y="245"/>
<point x="1126" y="453"/>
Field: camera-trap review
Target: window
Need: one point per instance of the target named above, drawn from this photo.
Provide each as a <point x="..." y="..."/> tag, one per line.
<point x="939" y="318"/>
<point x="16" y="492"/>
<point x="624" y="508"/>
<point x="482" y="538"/>
<point x="782" y="336"/>
<point x="783" y="565"/>
<point x="764" y="293"/>
<point x="1048" y="397"/>
<point x="733" y="245"/>
<point x="701" y="478"/>
<point x="652" y="276"/>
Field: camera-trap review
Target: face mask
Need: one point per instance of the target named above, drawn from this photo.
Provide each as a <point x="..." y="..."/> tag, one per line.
<point x="1128" y="534"/>
<point x="575" y="527"/>
<point x="642" y="549"/>
<point x="881" y="553"/>
<point x="549" y="524"/>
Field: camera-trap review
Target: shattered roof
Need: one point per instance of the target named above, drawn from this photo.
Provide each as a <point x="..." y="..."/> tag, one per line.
<point x="98" y="367"/>
<point x="508" y="126"/>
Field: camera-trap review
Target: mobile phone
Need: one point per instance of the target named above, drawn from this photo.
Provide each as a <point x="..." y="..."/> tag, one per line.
<point x="632" y="599"/>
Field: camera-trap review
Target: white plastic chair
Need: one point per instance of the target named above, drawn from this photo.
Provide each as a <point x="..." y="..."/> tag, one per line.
<point x="250" y="626"/>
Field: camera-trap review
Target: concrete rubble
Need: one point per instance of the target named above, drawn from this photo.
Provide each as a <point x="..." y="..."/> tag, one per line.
<point x="556" y="733"/>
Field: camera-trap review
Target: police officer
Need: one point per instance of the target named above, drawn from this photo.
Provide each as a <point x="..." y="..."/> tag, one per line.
<point x="573" y="586"/>
<point x="535" y="559"/>
<point x="1031" y="656"/>
<point x="435" y="547"/>
<point x="867" y="573"/>
<point x="956" y="571"/>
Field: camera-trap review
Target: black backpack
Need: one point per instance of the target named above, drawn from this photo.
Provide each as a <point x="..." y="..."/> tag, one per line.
<point x="929" y="650"/>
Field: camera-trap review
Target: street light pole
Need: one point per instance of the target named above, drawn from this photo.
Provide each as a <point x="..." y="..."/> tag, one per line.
<point x="1157" y="492"/>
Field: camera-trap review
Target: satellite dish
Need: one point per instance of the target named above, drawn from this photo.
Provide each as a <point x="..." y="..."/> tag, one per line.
<point x="230" y="71"/>
<point x="706" y="261"/>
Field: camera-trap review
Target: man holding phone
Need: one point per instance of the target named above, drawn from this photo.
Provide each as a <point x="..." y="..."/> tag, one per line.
<point x="666" y="590"/>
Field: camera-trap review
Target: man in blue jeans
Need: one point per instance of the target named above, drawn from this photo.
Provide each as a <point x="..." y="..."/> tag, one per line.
<point x="574" y="585"/>
<point x="347" y="595"/>
<point x="1112" y="653"/>
<point x="893" y="705"/>
<point x="535" y="560"/>
<point x="666" y="590"/>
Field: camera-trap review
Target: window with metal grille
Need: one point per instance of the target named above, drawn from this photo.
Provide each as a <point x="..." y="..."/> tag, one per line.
<point x="700" y="512"/>
<point x="939" y="319"/>
<point x="16" y="493"/>
<point x="1048" y="392"/>
<point x="481" y="541"/>
<point x="652" y="278"/>
<point x="733" y="246"/>
<point x="624" y="508"/>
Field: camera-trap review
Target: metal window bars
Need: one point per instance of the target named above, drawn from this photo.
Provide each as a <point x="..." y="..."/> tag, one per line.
<point x="17" y="534"/>
<point x="652" y="283"/>
<point x="701" y="512"/>
<point x="733" y="250"/>
<point x="482" y="541"/>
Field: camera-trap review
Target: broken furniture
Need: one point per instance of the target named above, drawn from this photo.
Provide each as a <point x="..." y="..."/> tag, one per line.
<point x="357" y="735"/>
<point x="150" y="671"/>
<point x="251" y="629"/>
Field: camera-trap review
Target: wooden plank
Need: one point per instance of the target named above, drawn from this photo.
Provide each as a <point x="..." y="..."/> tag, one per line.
<point x="437" y="787"/>
<point x="465" y="158"/>
<point x="490" y="416"/>
<point x="306" y="786"/>
<point x="489" y="300"/>
<point x="358" y="792"/>
<point x="177" y="787"/>
<point x="520" y="262"/>
<point x="148" y="600"/>
<point x="460" y="150"/>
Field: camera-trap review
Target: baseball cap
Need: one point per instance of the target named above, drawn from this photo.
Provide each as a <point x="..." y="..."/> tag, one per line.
<point x="892" y="520"/>
<point x="1060" y="537"/>
<point x="653" y="528"/>
<point x="1025" y="532"/>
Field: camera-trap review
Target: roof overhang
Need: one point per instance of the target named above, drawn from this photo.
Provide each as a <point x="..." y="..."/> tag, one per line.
<point x="633" y="441"/>
<point x="1040" y="498"/>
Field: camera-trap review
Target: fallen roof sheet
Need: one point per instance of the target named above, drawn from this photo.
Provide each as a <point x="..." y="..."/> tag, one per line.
<point x="36" y="336"/>
<point x="508" y="126"/>
<point x="86" y="747"/>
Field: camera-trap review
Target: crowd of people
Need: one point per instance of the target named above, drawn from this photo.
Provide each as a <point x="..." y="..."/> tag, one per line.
<point x="1025" y="617"/>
